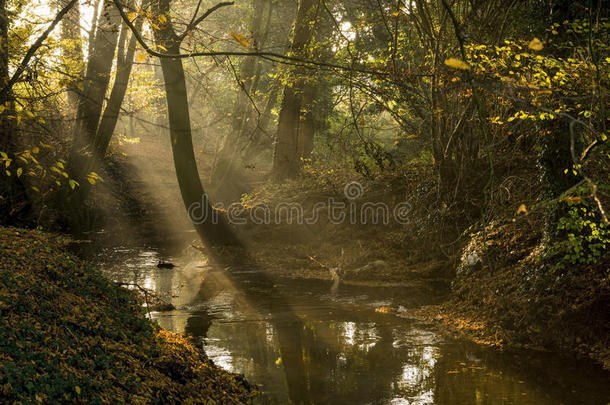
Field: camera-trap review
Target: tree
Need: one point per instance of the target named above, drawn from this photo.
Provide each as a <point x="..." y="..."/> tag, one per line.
<point x="72" y="50"/>
<point x="15" y="198"/>
<point x="215" y="232"/>
<point x="286" y="154"/>
<point x="91" y="101"/>
<point x="248" y="78"/>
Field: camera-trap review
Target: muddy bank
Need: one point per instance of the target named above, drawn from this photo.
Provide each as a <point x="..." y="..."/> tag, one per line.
<point x="69" y="334"/>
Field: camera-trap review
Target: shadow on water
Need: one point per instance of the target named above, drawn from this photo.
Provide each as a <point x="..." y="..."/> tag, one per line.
<point x="303" y="343"/>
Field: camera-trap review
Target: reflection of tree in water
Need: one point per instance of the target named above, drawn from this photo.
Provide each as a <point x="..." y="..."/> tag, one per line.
<point x="352" y="362"/>
<point x="469" y="374"/>
<point x="323" y="361"/>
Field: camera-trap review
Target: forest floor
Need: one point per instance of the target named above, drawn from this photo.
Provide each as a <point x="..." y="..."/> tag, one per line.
<point x="67" y="334"/>
<point x="506" y="298"/>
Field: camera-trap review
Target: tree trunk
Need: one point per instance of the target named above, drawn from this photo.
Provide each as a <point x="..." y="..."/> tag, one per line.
<point x="262" y="140"/>
<point x="249" y="76"/>
<point x="72" y="50"/>
<point x="113" y="107"/>
<point x="96" y="85"/>
<point x="286" y="156"/>
<point x="202" y="215"/>
<point x="307" y="126"/>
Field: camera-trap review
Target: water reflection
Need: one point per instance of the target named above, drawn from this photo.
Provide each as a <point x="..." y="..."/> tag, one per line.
<point x="323" y="348"/>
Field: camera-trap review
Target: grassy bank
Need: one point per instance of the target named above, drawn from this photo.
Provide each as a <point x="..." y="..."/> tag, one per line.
<point x="67" y="334"/>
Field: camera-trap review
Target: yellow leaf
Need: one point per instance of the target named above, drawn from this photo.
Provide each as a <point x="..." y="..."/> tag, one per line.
<point x="457" y="64"/>
<point x="132" y="16"/>
<point x="240" y="38"/>
<point x="162" y="47"/>
<point x="77" y="389"/>
<point x="522" y="209"/>
<point x="535" y="45"/>
<point x="162" y="19"/>
<point x="278" y="361"/>
<point x="141" y="57"/>
<point x="395" y="14"/>
<point x="36" y="149"/>
<point x="19" y="171"/>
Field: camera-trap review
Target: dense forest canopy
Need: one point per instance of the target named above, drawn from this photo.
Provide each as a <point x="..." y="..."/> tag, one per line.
<point x="482" y="124"/>
<point x="367" y="85"/>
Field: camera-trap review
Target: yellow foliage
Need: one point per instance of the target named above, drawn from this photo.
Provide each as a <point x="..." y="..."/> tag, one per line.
<point x="457" y="64"/>
<point x="535" y="45"/>
<point x="240" y="38"/>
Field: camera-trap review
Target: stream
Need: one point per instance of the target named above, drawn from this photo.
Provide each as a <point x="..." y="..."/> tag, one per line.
<point x="302" y="341"/>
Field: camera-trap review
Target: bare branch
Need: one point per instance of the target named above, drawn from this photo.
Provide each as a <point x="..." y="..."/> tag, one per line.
<point x="196" y="21"/>
<point x="578" y="167"/>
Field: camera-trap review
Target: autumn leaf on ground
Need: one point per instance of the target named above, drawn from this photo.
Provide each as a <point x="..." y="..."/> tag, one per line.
<point x="522" y="209"/>
<point x="457" y="64"/>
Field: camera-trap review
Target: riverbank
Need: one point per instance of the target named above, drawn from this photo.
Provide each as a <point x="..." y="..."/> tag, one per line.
<point x="509" y="297"/>
<point x="510" y="287"/>
<point x="68" y="334"/>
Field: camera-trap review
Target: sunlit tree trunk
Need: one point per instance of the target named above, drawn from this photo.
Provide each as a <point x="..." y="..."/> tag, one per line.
<point x="215" y="232"/>
<point x="230" y="154"/>
<point x="96" y="84"/>
<point x="117" y="95"/>
<point x="286" y="156"/>
<point x="262" y="139"/>
<point x="307" y="127"/>
<point x="72" y="50"/>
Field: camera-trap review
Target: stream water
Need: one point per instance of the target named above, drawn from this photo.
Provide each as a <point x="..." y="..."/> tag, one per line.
<point x="303" y="342"/>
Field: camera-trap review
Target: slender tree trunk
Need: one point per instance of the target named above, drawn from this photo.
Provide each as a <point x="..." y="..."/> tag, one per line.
<point x="249" y="76"/>
<point x="210" y="227"/>
<point x="262" y="140"/>
<point x="286" y="156"/>
<point x="72" y="50"/>
<point x="307" y="126"/>
<point x="113" y="107"/>
<point x="96" y="85"/>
